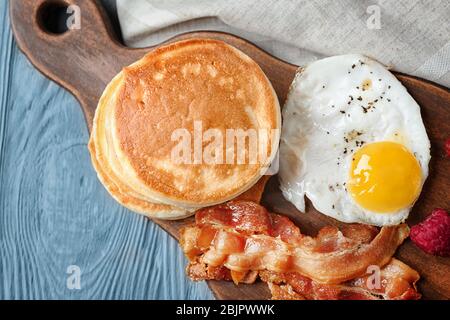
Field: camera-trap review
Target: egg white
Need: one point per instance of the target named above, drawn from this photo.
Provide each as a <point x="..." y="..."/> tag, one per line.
<point x="334" y="105"/>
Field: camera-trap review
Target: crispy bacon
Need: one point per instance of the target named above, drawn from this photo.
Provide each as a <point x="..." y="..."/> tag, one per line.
<point x="197" y="271"/>
<point x="396" y="282"/>
<point x="240" y="238"/>
<point x="243" y="236"/>
<point x="243" y="216"/>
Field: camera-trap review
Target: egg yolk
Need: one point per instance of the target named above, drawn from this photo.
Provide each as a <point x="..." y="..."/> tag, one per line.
<point x="384" y="177"/>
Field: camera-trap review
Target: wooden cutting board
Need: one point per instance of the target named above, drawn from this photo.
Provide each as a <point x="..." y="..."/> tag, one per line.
<point x="85" y="60"/>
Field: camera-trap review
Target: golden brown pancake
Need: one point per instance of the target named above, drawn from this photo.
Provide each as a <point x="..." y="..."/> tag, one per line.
<point x="175" y="87"/>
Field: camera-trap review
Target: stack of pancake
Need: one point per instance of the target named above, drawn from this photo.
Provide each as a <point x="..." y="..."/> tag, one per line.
<point x="170" y="89"/>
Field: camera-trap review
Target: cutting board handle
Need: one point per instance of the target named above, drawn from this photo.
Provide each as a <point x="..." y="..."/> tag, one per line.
<point x="71" y="58"/>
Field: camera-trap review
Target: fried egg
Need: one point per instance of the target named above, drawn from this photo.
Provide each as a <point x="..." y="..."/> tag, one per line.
<point x="353" y="141"/>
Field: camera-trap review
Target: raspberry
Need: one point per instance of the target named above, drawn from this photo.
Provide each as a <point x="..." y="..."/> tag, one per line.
<point x="447" y="147"/>
<point x="433" y="234"/>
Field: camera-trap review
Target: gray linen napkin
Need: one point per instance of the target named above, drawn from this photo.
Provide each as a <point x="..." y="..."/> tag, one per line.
<point x="411" y="36"/>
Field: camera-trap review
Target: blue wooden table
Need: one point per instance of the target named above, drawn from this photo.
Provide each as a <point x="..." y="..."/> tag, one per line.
<point x="61" y="235"/>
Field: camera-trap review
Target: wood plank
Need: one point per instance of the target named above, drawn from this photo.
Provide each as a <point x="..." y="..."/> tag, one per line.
<point x="55" y="213"/>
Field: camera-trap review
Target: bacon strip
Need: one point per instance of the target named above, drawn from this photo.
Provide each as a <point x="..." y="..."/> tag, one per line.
<point x="396" y="282"/>
<point x="345" y="264"/>
<point x="243" y="236"/>
<point x="240" y="240"/>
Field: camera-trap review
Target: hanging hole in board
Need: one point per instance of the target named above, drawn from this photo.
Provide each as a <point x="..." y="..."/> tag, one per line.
<point x="56" y="17"/>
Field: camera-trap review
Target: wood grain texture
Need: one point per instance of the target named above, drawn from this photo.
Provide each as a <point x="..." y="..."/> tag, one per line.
<point x="97" y="57"/>
<point x="54" y="212"/>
